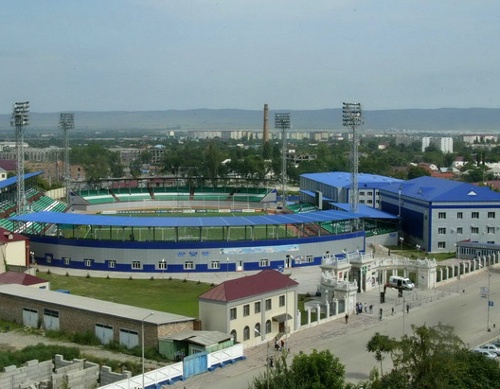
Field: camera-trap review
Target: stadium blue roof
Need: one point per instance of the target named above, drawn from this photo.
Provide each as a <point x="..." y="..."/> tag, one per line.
<point x="440" y="190"/>
<point x="366" y="211"/>
<point x="343" y="179"/>
<point x="210" y="221"/>
<point x="13" y="180"/>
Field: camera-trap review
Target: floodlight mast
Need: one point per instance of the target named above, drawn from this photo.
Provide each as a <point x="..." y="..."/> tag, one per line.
<point x="282" y="122"/>
<point x="352" y="117"/>
<point x="20" y="119"/>
<point x="66" y="123"/>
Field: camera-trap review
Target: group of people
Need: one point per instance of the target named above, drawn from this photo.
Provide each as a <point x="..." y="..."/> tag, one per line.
<point x="360" y="306"/>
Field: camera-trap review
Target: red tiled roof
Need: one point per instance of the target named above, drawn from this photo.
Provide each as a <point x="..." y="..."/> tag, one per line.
<point x="4" y="236"/>
<point x="263" y="282"/>
<point x="12" y="277"/>
<point x="9" y="165"/>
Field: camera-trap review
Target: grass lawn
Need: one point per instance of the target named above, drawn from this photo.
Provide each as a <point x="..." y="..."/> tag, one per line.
<point x="175" y="296"/>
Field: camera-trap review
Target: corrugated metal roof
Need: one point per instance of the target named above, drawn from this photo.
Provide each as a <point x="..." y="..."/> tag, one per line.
<point x="13" y="180"/>
<point x="210" y="221"/>
<point x="343" y="179"/>
<point x="440" y="190"/>
<point x="92" y="305"/>
<point x="203" y="338"/>
<point x="366" y="211"/>
<point x="263" y="282"/>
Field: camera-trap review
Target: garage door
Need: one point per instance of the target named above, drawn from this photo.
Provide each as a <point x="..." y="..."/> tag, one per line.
<point x="129" y="338"/>
<point x="51" y="320"/>
<point x="30" y="317"/>
<point x="104" y="333"/>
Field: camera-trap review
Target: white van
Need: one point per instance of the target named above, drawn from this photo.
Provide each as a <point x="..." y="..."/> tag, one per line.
<point x="400" y="282"/>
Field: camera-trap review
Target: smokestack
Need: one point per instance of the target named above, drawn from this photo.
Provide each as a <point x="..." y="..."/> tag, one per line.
<point x="265" y="136"/>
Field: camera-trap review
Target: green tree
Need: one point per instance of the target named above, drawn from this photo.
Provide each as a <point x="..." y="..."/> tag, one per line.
<point x="318" y="370"/>
<point x="380" y="344"/>
<point x="417" y="171"/>
<point x="430" y="358"/>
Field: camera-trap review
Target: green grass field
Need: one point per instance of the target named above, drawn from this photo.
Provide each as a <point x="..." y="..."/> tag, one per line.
<point x="175" y="296"/>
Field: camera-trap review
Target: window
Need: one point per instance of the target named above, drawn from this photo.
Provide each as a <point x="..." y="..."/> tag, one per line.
<point x="162" y="265"/>
<point x="491" y="215"/>
<point x="268" y="326"/>
<point x="460" y="230"/>
<point x="246" y="310"/>
<point x="188" y="265"/>
<point x="282" y="301"/>
<point x="88" y="262"/>
<point x="475" y="215"/>
<point x="67" y="260"/>
<point x="264" y="263"/>
<point x="257" y="330"/>
<point x="441" y="245"/>
<point x="491" y="230"/>
<point x="361" y="193"/>
<point x="215" y="265"/>
<point x="268" y="304"/>
<point x="111" y="263"/>
<point x="48" y="258"/>
<point x="474" y="230"/>
<point x="234" y="334"/>
<point x="136" y="264"/>
<point x="369" y="193"/>
<point x="441" y="231"/>
<point x="246" y="333"/>
<point x="232" y="314"/>
<point x="256" y="307"/>
<point x="309" y="258"/>
<point x="442" y="215"/>
<point x="460" y="215"/>
<point x="370" y="202"/>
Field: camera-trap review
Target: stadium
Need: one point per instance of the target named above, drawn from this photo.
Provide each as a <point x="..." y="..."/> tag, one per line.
<point x="180" y="229"/>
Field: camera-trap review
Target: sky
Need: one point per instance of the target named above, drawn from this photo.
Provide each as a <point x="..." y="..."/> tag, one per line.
<point x="147" y="55"/>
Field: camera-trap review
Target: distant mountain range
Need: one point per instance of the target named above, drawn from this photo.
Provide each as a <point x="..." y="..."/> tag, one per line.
<point x="422" y="120"/>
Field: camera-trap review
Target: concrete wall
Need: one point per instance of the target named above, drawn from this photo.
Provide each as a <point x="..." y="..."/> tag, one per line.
<point x="58" y="374"/>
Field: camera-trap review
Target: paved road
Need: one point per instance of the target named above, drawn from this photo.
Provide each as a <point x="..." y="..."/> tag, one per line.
<point x="457" y="304"/>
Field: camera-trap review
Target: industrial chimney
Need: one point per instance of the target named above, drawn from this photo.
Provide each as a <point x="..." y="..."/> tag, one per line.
<point x="265" y="136"/>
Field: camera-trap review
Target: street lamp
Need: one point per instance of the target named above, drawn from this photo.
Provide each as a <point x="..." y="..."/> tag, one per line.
<point x="418" y="249"/>
<point x="142" y="344"/>
<point x="401" y="240"/>
<point x="162" y="268"/>
<point x="267" y="357"/>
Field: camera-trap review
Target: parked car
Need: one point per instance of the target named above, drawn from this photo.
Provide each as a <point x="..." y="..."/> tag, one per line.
<point x="487" y="354"/>
<point x="491" y="348"/>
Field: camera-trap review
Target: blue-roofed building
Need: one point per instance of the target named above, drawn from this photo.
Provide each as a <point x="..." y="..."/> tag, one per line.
<point x="437" y="213"/>
<point x="335" y="187"/>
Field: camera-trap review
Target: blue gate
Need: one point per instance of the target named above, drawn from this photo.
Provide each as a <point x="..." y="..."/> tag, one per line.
<point x="195" y="364"/>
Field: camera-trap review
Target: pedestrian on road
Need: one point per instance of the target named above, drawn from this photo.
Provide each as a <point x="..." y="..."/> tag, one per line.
<point x="346" y="318"/>
<point x="381" y="312"/>
<point x="407" y="308"/>
<point x="392" y="309"/>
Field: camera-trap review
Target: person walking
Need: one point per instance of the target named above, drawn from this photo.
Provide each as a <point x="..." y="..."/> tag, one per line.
<point x="407" y="308"/>
<point x="380" y="315"/>
<point x="346" y="318"/>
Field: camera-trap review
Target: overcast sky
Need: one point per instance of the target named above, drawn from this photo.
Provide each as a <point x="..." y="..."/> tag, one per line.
<point x="137" y="55"/>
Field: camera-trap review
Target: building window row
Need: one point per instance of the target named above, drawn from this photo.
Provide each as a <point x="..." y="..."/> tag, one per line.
<point x="474" y="215"/>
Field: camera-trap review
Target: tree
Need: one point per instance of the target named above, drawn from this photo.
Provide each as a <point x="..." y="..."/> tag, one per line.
<point x="417" y="171"/>
<point x="317" y="370"/>
<point x="433" y="357"/>
<point x="380" y="344"/>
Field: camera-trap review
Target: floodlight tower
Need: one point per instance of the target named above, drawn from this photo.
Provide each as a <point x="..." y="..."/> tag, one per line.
<point x="66" y="123"/>
<point x="282" y="122"/>
<point x="352" y="117"/>
<point x="20" y="119"/>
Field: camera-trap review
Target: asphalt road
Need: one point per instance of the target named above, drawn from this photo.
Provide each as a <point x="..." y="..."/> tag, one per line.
<point x="458" y="304"/>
